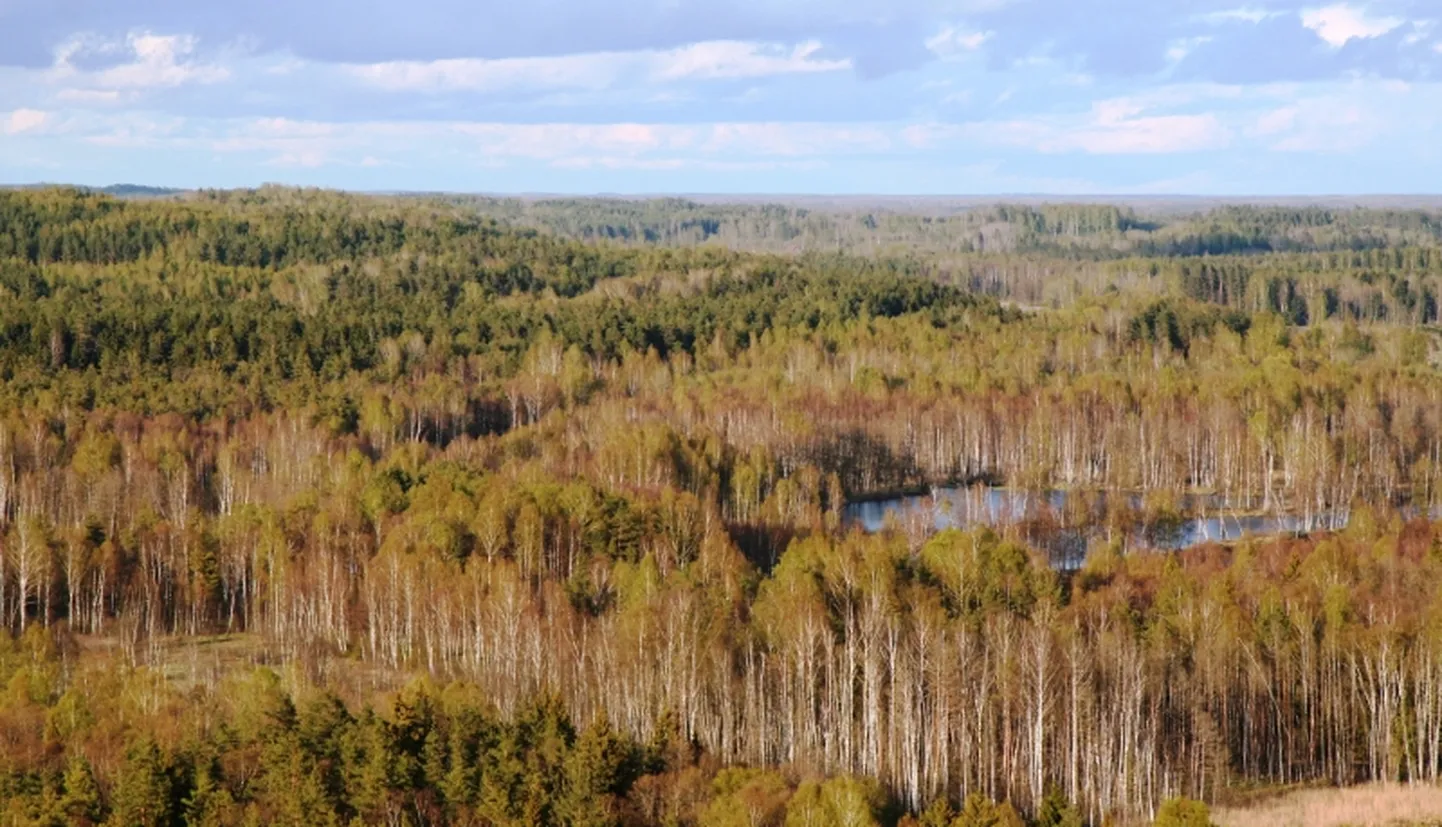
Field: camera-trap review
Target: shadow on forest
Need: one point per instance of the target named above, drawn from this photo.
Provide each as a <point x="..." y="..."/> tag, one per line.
<point x="761" y="543"/>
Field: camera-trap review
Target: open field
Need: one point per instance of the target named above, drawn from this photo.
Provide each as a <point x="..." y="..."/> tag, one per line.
<point x="1368" y="805"/>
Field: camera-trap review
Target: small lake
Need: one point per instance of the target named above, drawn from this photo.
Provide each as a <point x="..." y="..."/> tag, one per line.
<point x="1065" y="522"/>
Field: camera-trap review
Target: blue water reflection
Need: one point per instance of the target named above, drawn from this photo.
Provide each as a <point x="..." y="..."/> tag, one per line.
<point x="1071" y="520"/>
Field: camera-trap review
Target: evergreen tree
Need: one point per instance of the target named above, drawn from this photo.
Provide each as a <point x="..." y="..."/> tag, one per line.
<point x="1055" y="811"/>
<point x="144" y="789"/>
<point x="81" y="802"/>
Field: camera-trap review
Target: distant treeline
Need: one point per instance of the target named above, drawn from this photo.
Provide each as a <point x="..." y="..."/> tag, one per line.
<point x="1070" y="230"/>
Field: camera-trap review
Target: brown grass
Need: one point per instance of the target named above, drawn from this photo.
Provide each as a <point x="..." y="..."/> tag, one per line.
<point x="205" y="661"/>
<point x="1380" y="805"/>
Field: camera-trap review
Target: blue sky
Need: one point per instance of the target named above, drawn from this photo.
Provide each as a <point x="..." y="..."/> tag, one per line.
<point x="752" y="96"/>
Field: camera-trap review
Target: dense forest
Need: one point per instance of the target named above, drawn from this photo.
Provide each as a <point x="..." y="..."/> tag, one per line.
<point x="318" y="508"/>
<point x="1071" y="230"/>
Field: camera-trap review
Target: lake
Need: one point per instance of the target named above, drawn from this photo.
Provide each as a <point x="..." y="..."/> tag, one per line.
<point x="1065" y="522"/>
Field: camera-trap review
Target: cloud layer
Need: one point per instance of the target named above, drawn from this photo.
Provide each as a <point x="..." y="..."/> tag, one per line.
<point x="711" y="60"/>
<point x="676" y="95"/>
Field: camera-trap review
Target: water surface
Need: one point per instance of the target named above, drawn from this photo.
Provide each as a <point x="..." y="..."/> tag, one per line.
<point x="1071" y="520"/>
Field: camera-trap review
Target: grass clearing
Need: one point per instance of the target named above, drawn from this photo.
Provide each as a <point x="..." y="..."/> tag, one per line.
<point x="1376" y="805"/>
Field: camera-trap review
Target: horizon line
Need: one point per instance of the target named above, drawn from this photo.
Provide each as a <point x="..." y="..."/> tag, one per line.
<point x="739" y="196"/>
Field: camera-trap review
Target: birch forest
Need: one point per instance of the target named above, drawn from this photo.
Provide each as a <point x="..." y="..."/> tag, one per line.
<point x="331" y="509"/>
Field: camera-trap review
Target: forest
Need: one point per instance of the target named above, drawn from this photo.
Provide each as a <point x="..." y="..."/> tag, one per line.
<point x="320" y="508"/>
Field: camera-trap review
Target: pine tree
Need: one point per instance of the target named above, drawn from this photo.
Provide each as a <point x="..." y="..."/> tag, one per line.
<point x="599" y="770"/>
<point x="82" y="803"/>
<point x="1055" y="811"/>
<point x="209" y="804"/>
<point x="143" y="795"/>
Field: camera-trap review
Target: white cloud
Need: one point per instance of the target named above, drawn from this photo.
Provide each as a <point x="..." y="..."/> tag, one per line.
<point x="285" y="66"/>
<point x="288" y="128"/>
<point x="667" y="164"/>
<point x="154" y="62"/>
<point x="1277" y="120"/>
<point x="92" y="96"/>
<point x="952" y="42"/>
<point x="1420" y="31"/>
<point x="308" y="160"/>
<point x="612" y="162"/>
<point x="1340" y="130"/>
<point x="1150" y="123"/>
<point x="131" y="130"/>
<point x="1179" y="49"/>
<point x="1113" y="127"/>
<point x="291" y="143"/>
<point x="1144" y="135"/>
<point x="24" y="120"/>
<point x="737" y="59"/>
<point x="160" y="61"/>
<point x="1337" y="24"/>
<point x="795" y="139"/>
<point x="1178" y="118"/>
<point x="1246" y="14"/>
<point x="593" y="71"/>
<point x="558" y="140"/>
<point x="598" y="70"/>
<point x="554" y="140"/>
<point x="715" y="146"/>
<point x="1340" y="121"/>
<point x="928" y="136"/>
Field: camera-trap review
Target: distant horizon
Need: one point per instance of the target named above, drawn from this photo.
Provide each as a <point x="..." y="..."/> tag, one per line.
<point x="1305" y="199"/>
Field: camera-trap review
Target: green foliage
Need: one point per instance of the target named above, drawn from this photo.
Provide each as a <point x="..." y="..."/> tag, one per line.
<point x="1056" y="811"/>
<point x="81" y="803"/>
<point x="144" y="794"/>
<point x="938" y="814"/>
<point x="600" y="769"/>
<point x="209" y="803"/>
<point x="980" y="811"/>
<point x="744" y="797"/>
<point x="1183" y="812"/>
<point x="843" y="802"/>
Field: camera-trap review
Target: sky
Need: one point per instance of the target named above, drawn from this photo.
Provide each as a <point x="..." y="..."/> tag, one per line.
<point x="1272" y="97"/>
